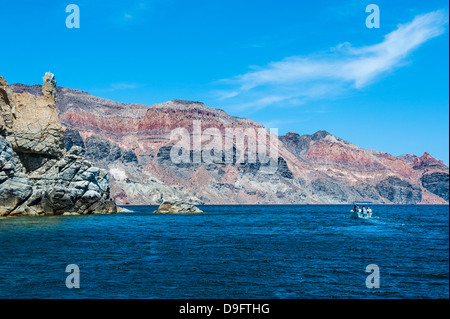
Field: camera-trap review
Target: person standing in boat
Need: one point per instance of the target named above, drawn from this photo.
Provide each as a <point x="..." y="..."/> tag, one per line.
<point x="364" y="211"/>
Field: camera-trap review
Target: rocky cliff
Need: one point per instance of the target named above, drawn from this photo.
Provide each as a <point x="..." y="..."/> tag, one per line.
<point x="134" y="143"/>
<point x="37" y="174"/>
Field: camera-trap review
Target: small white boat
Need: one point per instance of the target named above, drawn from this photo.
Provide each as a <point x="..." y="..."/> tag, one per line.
<point x="360" y="213"/>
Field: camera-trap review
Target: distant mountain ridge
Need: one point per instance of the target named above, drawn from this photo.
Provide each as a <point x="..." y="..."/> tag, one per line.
<point x="132" y="142"/>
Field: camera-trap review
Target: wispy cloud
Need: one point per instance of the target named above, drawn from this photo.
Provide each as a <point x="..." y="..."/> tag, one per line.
<point x="128" y="16"/>
<point x="136" y="10"/>
<point x="124" y="86"/>
<point x="118" y="13"/>
<point x="131" y="12"/>
<point x="299" y="78"/>
<point x="120" y="86"/>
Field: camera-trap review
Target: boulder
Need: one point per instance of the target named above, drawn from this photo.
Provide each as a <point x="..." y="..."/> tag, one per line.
<point x="177" y="207"/>
<point x="124" y="210"/>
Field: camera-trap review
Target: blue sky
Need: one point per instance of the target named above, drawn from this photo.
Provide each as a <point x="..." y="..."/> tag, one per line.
<point x="299" y="66"/>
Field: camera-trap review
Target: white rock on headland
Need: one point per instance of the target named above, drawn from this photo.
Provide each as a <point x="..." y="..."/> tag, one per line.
<point x="177" y="207"/>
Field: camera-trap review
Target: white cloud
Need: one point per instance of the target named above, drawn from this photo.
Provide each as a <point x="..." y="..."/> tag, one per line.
<point x="133" y="11"/>
<point x="120" y="86"/>
<point x="124" y="86"/>
<point x="342" y="68"/>
<point x="127" y="16"/>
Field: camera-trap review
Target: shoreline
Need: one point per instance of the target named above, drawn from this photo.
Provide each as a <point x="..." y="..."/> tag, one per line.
<point x="350" y="204"/>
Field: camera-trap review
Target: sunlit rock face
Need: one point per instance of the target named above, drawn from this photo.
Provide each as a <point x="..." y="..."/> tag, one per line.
<point x="37" y="174"/>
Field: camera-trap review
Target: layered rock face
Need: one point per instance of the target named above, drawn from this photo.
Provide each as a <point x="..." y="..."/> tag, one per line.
<point x="37" y="174"/>
<point x="135" y="143"/>
<point x="434" y="175"/>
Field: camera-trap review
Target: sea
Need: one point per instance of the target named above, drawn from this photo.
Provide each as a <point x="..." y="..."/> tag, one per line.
<point x="230" y="252"/>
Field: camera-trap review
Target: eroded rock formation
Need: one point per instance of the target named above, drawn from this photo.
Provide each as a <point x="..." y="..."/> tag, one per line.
<point x="37" y="174"/>
<point x="177" y="207"/>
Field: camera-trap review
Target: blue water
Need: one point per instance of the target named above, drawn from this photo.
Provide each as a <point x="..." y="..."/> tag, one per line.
<point x="229" y="252"/>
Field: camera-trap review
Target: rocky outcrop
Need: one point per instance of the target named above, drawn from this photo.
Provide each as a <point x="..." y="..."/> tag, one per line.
<point x="427" y="161"/>
<point x="399" y="191"/>
<point x="177" y="207"/>
<point x="98" y="149"/>
<point x="15" y="186"/>
<point x="316" y="168"/>
<point x="37" y="175"/>
<point x="31" y="122"/>
<point x="433" y="175"/>
<point x="437" y="183"/>
<point x="408" y="158"/>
